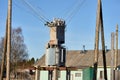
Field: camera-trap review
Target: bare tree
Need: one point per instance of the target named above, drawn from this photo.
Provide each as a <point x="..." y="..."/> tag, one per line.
<point x="19" y="50"/>
<point x="1" y="48"/>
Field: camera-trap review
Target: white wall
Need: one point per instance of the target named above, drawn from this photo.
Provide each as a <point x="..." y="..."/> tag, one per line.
<point x="108" y="73"/>
<point x="74" y="73"/>
<point x="43" y="75"/>
<point x="62" y="75"/>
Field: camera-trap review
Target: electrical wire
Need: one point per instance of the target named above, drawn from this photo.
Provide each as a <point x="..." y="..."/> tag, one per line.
<point x="34" y="10"/>
<point x="74" y="11"/>
<point x="70" y="14"/>
<point x="41" y="17"/>
<point x="26" y="10"/>
<point x="70" y="10"/>
<point x="40" y="10"/>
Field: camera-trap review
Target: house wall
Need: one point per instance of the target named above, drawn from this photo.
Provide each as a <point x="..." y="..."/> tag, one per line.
<point x="101" y="70"/>
<point x="88" y="73"/>
<point x="62" y="75"/>
<point x="75" y="75"/>
<point x="43" y="75"/>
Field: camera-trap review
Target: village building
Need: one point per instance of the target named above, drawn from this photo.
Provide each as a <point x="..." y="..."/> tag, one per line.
<point x="80" y="64"/>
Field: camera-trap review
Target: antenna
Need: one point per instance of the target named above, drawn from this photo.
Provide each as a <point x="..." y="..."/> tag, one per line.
<point x="83" y="47"/>
<point x="106" y="49"/>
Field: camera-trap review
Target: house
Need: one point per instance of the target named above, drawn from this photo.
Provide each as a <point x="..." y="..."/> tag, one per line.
<point x="82" y="61"/>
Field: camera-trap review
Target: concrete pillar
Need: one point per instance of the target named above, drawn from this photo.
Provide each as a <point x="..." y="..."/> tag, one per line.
<point x="50" y="75"/>
<point x="55" y="73"/>
<point x="67" y="74"/>
<point x="37" y="73"/>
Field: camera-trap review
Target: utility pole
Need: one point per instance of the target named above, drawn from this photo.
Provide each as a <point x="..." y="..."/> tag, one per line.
<point x="96" y="51"/>
<point x="112" y="55"/>
<point x="103" y="46"/>
<point x="9" y="38"/>
<point x="4" y="52"/>
<point x="116" y="51"/>
<point x="99" y="25"/>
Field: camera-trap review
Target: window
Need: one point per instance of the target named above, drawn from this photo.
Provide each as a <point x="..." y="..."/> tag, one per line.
<point x="59" y="74"/>
<point x="77" y="74"/>
<point x="101" y="74"/>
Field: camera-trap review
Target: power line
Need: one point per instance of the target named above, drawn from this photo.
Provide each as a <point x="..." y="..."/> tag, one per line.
<point x="40" y="10"/>
<point x="33" y="10"/>
<point x="41" y="17"/>
<point x="25" y="10"/>
<point x="70" y="14"/>
<point x="74" y="11"/>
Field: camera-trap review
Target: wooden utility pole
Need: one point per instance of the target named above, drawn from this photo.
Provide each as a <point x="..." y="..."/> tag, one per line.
<point x="112" y="55"/>
<point x="103" y="45"/>
<point x="4" y="52"/>
<point x="116" y="51"/>
<point x="99" y="27"/>
<point x="96" y="51"/>
<point x="9" y="39"/>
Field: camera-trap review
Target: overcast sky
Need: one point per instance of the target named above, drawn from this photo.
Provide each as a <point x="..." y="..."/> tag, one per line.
<point x="80" y="17"/>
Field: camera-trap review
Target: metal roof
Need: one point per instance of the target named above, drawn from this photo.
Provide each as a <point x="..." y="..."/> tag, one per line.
<point x="78" y="58"/>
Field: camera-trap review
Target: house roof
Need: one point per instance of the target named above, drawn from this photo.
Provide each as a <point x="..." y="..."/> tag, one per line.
<point x="78" y="58"/>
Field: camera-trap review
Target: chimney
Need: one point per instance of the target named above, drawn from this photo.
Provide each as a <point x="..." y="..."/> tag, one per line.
<point x="106" y="49"/>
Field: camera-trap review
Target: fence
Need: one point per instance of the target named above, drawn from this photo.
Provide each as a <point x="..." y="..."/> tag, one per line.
<point x="116" y="74"/>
